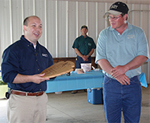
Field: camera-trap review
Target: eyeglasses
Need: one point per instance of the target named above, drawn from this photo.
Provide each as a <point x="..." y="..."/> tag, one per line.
<point x="114" y="18"/>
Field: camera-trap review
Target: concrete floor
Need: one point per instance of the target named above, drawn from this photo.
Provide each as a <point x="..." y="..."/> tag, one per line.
<point x="74" y="108"/>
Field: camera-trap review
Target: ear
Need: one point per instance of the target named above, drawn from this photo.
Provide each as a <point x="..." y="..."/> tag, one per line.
<point x="125" y="17"/>
<point x="25" y="27"/>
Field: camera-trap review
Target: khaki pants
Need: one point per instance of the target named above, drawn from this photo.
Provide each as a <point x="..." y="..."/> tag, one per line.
<point x="27" y="109"/>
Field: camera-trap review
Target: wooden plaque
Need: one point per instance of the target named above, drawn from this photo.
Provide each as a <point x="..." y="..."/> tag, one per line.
<point x="59" y="68"/>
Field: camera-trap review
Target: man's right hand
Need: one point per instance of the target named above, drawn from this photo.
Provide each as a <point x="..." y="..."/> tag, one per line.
<point x="85" y="58"/>
<point x="106" y="66"/>
<point x="38" y="78"/>
<point x="123" y="79"/>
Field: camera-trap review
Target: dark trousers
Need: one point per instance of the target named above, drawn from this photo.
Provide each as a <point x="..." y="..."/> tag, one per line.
<point x="79" y="60"/>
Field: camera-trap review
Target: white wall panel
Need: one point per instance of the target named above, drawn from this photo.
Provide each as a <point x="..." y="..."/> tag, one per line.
<point x="62" y="29"/>
<point x="40" y="12"/>
<point x="62" y="21"/>
<point x="16" y="19"/>
<point x="92" y="17"/>
<point x="81" y="15"/>
<point x="112" y="1"/>
<point x="51" y="26"/>
<point x="140" y="16"/>
<point x="5" y="27"/>
<point x="100" y="20"/>
<point x="71" y="26"/>
<point x="28" y="7"/>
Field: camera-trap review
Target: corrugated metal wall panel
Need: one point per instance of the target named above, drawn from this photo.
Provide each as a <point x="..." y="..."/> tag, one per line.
<point x="91" y="12"/>
<point x="112" y="1"/>
<point x="101" y="22"/>
<point x="52" y="27"/>
<point x="71" y="26"/>
<point x="62" y="29"/>
<point x="39" y="11"/>
<point x="140" y="16"/>
<point x="6" y="31"/>
<point x="16" y="19"/>
<point x="62" y="21"/>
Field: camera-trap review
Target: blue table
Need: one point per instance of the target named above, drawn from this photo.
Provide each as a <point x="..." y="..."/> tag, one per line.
<point x="93" y="79"/>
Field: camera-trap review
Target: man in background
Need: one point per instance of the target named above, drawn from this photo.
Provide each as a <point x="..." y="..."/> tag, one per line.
<point x="84" y="47"/>
<point x="121" y="50"/>
<point x="23" y="61"/>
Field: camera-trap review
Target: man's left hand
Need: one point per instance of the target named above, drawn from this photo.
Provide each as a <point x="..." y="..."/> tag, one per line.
<point x="118" y="70"/>
<point x="85" y="57"/>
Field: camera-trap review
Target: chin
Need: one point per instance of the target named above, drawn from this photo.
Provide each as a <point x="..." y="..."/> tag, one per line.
<point x="113" y="27"/>
<point x="36" y="38"/>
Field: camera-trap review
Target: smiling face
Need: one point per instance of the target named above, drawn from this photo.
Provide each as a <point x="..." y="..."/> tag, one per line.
<point x="33" y="29"/>
<point x="117" y="22"/>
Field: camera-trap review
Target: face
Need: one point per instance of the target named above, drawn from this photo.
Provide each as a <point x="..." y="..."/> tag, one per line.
<point x="84" y="31"/>
<point x="33" y="30"/>
<point x="118" y="21"/>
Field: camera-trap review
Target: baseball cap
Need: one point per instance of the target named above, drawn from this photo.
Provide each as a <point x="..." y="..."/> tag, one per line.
<point x="84" y="26"/>
<point x="118" y="8"/>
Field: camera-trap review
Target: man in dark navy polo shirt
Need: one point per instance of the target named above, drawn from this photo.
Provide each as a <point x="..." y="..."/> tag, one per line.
<point x="23" y="61"/>
<point x="84" y="47"/>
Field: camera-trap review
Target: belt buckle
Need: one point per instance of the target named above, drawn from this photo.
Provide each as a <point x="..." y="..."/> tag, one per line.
<point x="37" y="93"/>
<point x="26" y="93"/>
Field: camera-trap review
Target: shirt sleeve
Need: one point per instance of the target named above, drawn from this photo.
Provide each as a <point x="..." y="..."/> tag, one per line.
<point x="94" y="45"/>
<point x="101" y="46"/>
<point x="9" y="66"/>
<point x="75" y="44"/>
<point x="51" y="62"/>
<point x="143" y="48"/>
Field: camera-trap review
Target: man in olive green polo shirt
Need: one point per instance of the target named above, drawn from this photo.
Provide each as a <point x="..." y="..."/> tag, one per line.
<point x="84" y="47"/>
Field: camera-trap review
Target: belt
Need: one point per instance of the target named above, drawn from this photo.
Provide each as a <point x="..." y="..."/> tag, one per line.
<point x="27" y="93"/>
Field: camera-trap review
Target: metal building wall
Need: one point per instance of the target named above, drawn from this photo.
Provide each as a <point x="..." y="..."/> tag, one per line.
<point x="62" y="21"/>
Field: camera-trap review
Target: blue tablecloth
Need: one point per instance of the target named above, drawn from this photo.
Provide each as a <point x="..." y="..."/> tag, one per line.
<point x="143" y="80"/>
<point x="92" y="79"/>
